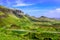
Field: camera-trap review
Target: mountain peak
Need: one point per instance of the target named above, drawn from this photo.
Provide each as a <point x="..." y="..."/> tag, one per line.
<point x="43" y="17"/>
<point x="16" y="12"/>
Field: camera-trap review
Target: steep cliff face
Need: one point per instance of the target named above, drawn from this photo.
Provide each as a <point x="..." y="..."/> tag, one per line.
<point x="16" y="12"/>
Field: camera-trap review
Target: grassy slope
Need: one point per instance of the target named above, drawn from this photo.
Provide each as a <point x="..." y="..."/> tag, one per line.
<point x="11" y="19"/>
<point x="6" y="22"/>
<point x="21" y="23"/>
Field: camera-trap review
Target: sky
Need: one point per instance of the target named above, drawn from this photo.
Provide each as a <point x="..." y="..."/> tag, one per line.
<point x="37" y="8"/>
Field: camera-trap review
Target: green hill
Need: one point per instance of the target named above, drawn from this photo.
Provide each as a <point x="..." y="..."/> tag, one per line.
<point x="44" y="21"/>
<point x="13" y="17"/>
<point x="15" y="25"/>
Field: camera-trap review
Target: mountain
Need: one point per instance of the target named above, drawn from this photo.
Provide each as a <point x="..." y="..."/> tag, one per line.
<point x="15" y="25"/>
<point x="57" y="18"/>
<point x="44" y="21"/>
<point x="18" y="13"/>
<point x="13" y="17"/>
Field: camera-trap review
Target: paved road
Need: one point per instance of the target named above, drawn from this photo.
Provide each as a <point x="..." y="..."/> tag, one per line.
<point x="35" y="31"/>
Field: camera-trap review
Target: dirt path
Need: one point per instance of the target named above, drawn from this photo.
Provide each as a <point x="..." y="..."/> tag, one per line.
<point x="35" y="31"/>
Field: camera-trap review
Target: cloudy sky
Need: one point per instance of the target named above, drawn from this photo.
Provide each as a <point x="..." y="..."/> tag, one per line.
<point x="49" y="8"/>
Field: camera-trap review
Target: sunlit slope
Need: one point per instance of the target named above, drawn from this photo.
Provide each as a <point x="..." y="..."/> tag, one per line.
<point x="9" y="17"/>
<point x="44" y="21"/>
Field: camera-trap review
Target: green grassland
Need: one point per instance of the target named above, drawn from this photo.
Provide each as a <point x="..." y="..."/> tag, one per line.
<point x="14" y="27"/>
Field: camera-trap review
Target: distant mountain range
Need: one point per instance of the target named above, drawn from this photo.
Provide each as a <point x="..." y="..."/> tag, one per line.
<point x="57" y="18"/>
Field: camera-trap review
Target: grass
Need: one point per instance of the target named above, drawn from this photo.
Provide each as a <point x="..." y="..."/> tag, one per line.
<point x="1" y="13"/>
<point x="37" y="29"/>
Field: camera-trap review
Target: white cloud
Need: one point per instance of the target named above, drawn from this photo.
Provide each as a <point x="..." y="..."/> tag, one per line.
<point x="21" y="3"/>
<point x="58" y="9"/>
<point x="53" y="13"/>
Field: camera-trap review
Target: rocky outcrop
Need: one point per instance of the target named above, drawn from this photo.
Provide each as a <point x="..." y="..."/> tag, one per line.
<point x="16" y="12"/>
